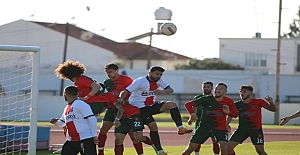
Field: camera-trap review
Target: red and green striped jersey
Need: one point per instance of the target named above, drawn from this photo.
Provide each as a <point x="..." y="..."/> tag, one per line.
<point x="213" y="116"/>
<point x="250" y="113"/>
<point x="118" y="85"/>
<point x="83" y="84"/>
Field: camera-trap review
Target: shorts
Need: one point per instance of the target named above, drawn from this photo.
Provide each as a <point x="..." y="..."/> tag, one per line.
<point x="110" y="115"/>
<point x="256" y="135"/>
<point x="97" y="107"/>
<point x="201" y="135"/>
<point x="73" y="148"/>
<point x="132" y="123"/>
<point x="148" y="111"/>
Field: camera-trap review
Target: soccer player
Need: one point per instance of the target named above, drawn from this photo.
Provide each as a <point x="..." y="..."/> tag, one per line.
<point x="143" y="93"/>
<point x="288" y="118"/>
<point x="89" y="91"/>
<point x="115" y="83"/>
<point x="250" y="120"/>
<point x="81" y="125"/>
<point x="216" y="107"/>
<point x="207" y="88"/>
<point x="127" y="120"/>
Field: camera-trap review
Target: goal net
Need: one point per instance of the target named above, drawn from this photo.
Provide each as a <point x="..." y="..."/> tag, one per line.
<point x="19" y="71"/>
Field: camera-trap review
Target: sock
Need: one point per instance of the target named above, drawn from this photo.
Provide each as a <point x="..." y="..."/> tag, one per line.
<point x="197" y="153"/>
<point x="175" y="114"/>
<point x="155" y="139"/>
<point x="119" y="149"/>
<point x="231" y="153"/>
<point x="138" y="148"/>
<point x="216" y="148"/>
<point x="101" y="143"/>
<point x="148" y="141"/>
<point x="198" y="148"/>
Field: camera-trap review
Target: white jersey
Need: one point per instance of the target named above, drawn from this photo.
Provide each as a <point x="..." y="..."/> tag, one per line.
<point x="141" y="90"/>
<point x="78" y="118"/>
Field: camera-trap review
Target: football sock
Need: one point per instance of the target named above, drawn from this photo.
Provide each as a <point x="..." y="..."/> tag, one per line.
<point x="138" y="148"/>
<point x="175" y="114"/>
<point x="198" y="148"/>
<point x="119" y="149"/>
<point x="197" y="153"/>
<point x="101" y="143"/>
<point x="155" y="139"/>
<point x="216" y="148"/>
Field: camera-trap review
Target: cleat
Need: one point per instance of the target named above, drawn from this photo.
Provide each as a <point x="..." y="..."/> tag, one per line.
<point x="163" y="153"/>
<point x="154" y="148"/>
<point x="182" y="131"/>
<point x="57" y="152"/>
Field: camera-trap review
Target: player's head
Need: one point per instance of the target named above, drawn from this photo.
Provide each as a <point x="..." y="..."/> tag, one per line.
<point x="207" y="88"/>
<point x="69" y="70"/>
<point x="220" y="90"/>
<point x="155" y="73"/>
<point x="245" y="91"/>
<point x="70" y="93"/>
<point x="111" y="70"/>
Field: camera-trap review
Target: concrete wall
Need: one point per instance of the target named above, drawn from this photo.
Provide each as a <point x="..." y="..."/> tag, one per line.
<point x="52" y="106"/>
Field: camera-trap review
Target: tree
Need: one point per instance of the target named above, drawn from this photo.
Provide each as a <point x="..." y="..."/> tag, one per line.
<point x="294" y="28"/>
<point x="208" y="64"/>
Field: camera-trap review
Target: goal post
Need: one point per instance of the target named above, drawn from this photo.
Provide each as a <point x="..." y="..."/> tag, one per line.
<point x="19" y="80"/>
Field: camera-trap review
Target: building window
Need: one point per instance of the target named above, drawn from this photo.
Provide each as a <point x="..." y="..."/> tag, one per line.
<point x="256" y="60"/>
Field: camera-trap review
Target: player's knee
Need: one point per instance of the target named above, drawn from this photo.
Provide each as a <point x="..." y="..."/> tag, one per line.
<point x="118" y="141"/>
<point x="105" y="127"/>
<point x="169" y="105"/>
<point x="152" y="126"/>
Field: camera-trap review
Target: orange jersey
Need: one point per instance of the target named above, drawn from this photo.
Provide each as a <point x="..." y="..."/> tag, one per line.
<point x="83" y="85"/>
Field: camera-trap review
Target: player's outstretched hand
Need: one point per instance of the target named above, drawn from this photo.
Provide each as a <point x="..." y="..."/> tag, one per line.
<point x="284" y="120"/>
<point x="95" y="140"/>
<point x="193" y="118"/>
<point x="117" y="123"/>
<point x="268" y="98"/>
<point x="158" y="92"/>
<point x="226" y="109"/>
<point x="53" y="120"/>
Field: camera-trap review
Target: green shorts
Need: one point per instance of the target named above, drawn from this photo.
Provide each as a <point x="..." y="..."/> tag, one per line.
<point x="97" y="107"/>
<point x="110" y="115"/>
<point x="256" y="135"/>
<point x="133" y="123"/>
<point x="201" y="135"/>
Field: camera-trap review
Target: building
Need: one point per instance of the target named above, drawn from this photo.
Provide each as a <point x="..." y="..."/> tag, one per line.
<point x="260" y="54"/>
<point x="51" y="37"/>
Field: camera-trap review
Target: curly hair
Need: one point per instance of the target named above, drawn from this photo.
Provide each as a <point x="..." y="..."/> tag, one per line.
<point x="69" y="69"/>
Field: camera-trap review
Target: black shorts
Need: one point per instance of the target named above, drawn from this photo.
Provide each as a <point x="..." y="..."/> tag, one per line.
<point x="256" y="135"/>
<point x="148" y="111"/>
<point x="73" y="148"/>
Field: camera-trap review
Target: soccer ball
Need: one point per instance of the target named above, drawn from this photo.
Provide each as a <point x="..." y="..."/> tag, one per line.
<point x="168" y="29"/>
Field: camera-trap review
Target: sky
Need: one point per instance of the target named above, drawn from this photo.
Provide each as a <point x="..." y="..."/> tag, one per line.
<point x="200" y="23"/>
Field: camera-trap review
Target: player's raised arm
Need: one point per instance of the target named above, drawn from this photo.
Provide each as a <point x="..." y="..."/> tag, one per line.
<point x="286" y="119"/>
<point x="119" y="114"/>
<point x="272" y="106"/>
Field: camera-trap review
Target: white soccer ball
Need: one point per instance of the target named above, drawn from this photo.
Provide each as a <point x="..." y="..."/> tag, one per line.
<point x="168" y="29"/>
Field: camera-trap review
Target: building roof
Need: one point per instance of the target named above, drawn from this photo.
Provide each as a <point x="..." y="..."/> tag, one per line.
<point x="130" y="50"/>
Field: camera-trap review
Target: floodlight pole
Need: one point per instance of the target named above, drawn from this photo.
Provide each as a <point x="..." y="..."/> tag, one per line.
<point x="64" y="56"/>
<point x="277" y="98"/>
<point x="149" y="57"/>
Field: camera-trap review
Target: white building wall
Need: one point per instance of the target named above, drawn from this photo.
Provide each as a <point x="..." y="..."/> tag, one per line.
<point x="234" y="50"/>
<point x="52" y="45"/>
